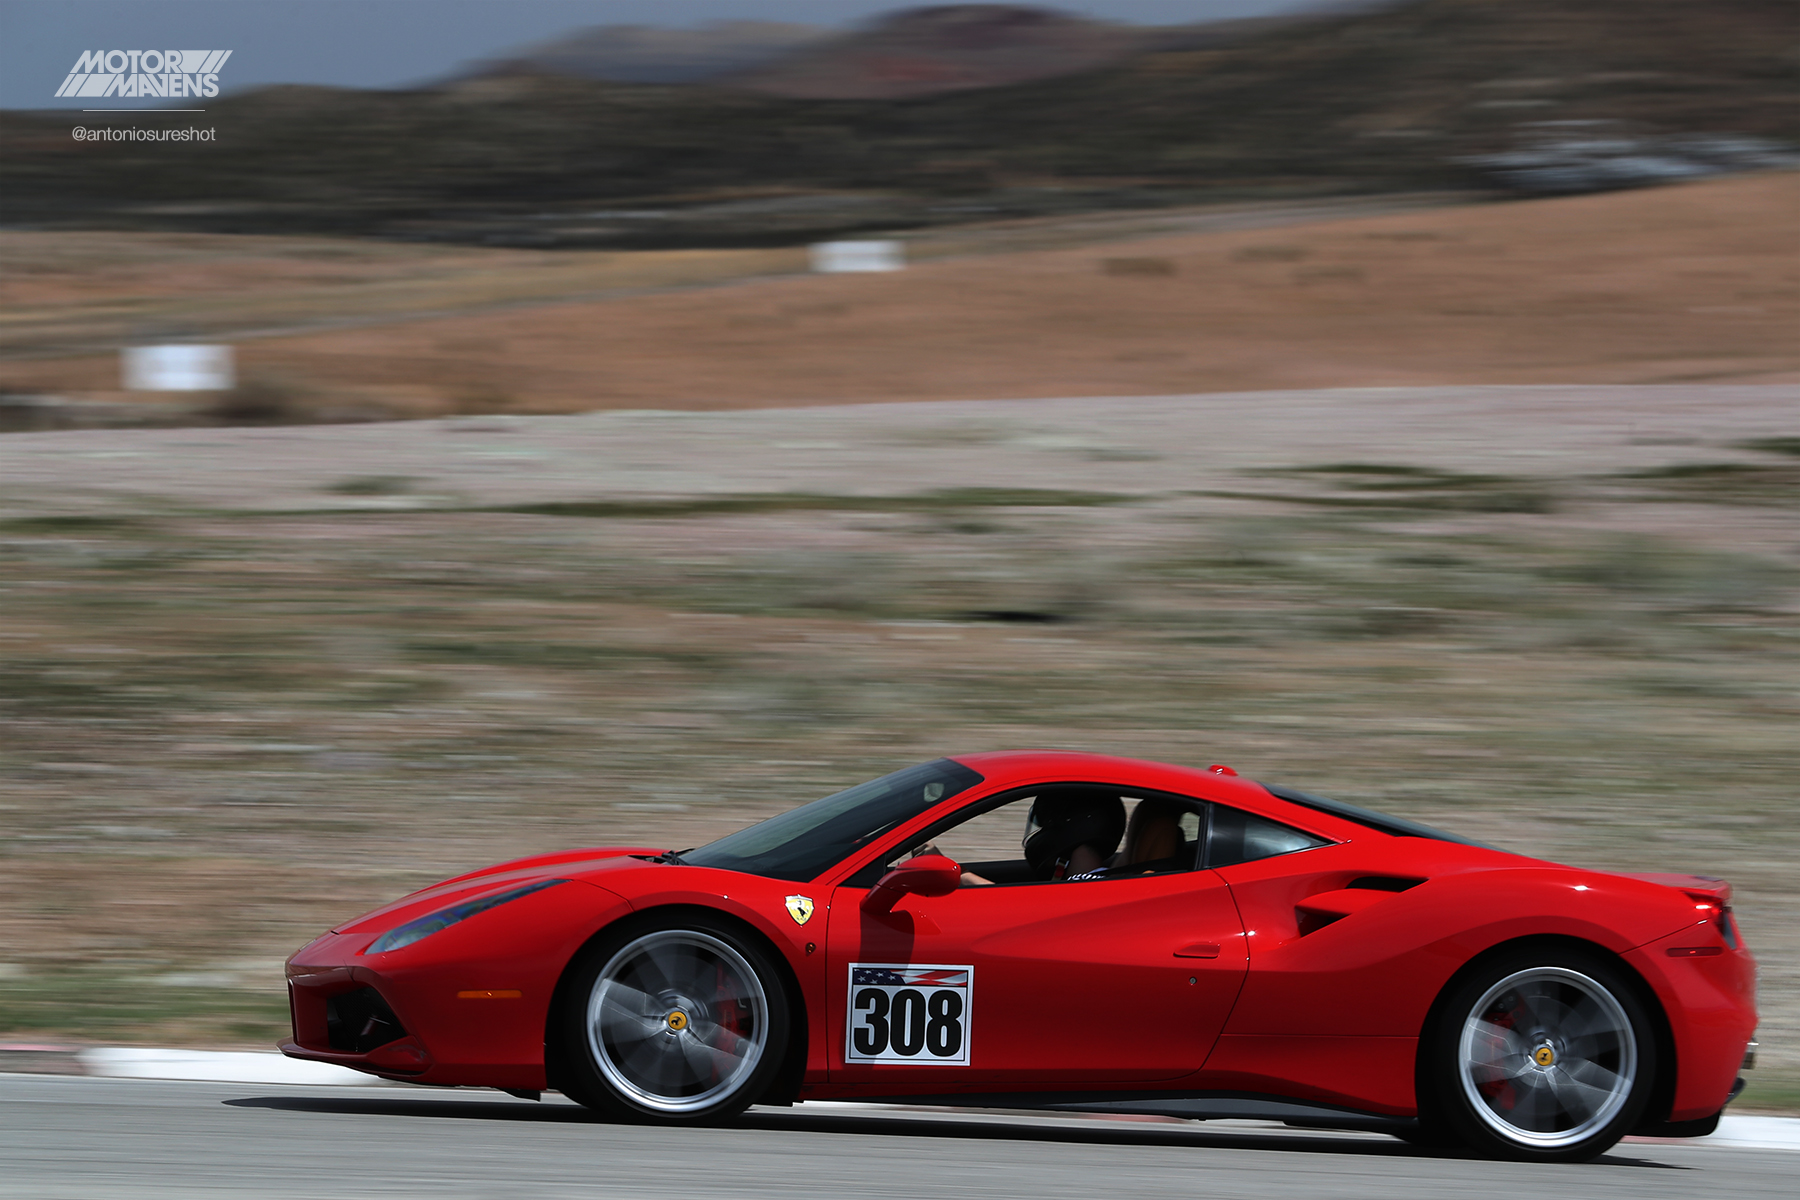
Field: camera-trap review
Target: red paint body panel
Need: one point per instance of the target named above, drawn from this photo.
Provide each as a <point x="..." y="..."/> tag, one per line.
<point x="1372" y="1074"/>
<point x="523" y="946"/>
<point x="1711" y="1006"/>
<point x="1328" y="958"/>
<point x="1383" y="966"/>
<point x="1070" y="983"/>
<point x="537" y="865"/>
<point x="568" y="865"/>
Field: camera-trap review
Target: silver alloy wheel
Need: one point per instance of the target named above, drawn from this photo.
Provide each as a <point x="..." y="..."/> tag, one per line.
<point x="677" y="1020"/>
<point x="1547" y="1057"/>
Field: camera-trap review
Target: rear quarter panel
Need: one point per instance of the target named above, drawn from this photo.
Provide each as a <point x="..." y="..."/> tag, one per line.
<point x="1711" y="1004"/>
<point x="1334" y="1015"/>
<point x="1376" y="972"/>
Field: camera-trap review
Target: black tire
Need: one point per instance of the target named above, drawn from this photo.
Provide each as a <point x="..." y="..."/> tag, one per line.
<point x="1541" y="1055"/>
<point x="674" y="1020"/>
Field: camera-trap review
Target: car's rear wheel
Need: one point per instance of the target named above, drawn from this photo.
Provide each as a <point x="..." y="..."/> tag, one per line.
<point x="1545" y="1056"/>
<point x="673" y="1021"/>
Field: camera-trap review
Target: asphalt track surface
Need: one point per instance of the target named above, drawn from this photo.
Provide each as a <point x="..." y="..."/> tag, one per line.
<point x="65" y="1137"/>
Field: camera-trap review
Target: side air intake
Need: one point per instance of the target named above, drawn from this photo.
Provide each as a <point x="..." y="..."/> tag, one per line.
<point x="360" y="1021"/>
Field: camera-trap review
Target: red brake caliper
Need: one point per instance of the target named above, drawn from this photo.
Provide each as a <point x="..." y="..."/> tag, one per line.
<point x="1501" y="1090"/>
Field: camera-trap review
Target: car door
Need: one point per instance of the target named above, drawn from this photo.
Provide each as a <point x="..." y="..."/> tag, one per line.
<point x="1067" y="984"/>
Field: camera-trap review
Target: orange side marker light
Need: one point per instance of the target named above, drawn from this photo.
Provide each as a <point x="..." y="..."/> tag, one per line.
<point x="491" y="994"/>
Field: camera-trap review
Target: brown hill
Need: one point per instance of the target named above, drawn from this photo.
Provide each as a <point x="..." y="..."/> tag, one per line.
<point x="1423" y="95"/>
<point x="956" y="47"/>
<point x="639" y="54"/>
<point x="1679" y="284"/>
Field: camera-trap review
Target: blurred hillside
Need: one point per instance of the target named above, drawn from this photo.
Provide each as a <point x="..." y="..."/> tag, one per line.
<point x="929" y="51"/>
<point x="908" y="52"/>
<point x="1423" y="95"/>
<point x="641" y="54"/>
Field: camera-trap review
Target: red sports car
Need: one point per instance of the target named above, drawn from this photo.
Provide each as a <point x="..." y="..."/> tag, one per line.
<point x="1048" y="930"/>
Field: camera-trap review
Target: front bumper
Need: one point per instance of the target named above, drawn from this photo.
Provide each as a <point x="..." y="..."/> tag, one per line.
<point x="344" y="1014"/>
<point x="430" y="1020"/>
<point x="466" y="1006"/>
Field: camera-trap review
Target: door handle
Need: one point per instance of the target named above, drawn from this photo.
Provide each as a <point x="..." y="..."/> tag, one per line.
<point x="1199" y="950"/>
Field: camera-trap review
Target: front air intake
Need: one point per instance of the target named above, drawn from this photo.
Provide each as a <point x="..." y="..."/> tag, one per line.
<point x="358" y="1022"/>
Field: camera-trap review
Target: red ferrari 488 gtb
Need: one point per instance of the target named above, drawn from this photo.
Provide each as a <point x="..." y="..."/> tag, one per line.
<point x="1072" y="932"/>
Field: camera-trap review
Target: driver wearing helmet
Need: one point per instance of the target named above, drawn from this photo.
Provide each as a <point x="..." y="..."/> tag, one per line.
<point x="1069" y="834"/>
<point x="1072" y="834"/>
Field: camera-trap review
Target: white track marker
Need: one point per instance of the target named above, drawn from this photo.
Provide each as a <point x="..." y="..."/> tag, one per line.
<point x="1759" y="1133"/>
<point x="235" y="1066"/>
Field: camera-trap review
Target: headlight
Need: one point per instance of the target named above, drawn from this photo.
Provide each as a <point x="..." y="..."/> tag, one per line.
<point x="444" y="918"/>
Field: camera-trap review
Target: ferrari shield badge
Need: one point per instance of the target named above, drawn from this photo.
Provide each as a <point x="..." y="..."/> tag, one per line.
<point x="800" y="908"/>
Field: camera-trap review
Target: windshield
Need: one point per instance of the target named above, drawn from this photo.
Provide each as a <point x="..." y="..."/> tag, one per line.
<point x="798" y="845"/>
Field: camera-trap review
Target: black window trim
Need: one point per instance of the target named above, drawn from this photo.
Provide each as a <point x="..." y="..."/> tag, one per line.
<point x="1381" y="822"/>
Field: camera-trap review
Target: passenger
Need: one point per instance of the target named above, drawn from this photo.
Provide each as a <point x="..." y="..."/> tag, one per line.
<point x="1153" y="839"/>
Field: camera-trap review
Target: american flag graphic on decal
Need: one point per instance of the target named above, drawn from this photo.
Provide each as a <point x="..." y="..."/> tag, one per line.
<point x="957" y="977"/>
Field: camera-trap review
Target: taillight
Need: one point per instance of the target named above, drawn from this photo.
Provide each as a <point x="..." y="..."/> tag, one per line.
<point x="1711" y="908"/>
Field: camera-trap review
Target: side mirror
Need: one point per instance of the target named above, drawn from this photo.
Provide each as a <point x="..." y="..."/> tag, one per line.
<point x="926" y="875"/>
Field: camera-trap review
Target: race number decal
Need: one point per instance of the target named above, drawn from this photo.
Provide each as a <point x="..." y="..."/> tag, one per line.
<point x="909" y="1013"/>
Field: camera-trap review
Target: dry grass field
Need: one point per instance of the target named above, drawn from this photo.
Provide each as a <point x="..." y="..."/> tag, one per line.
<point x="253" y="681"/>
<point x="1699" y="283"/>
<point x="75" y="295"/>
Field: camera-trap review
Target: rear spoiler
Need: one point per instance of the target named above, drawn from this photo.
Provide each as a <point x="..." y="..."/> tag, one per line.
<point x="1705" y="889"/>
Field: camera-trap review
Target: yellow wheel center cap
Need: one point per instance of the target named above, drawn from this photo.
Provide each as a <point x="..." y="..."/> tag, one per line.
<point x="678" y="1021"/>
<point x="1544" y="1056"/>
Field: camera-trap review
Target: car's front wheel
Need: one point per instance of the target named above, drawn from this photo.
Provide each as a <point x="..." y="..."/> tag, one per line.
<point x="1545" y="1056"/>
<point x="675" y="1021"/>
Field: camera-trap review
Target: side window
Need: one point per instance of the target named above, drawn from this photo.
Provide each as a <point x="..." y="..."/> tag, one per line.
<point x="987" y="844"/>
<point x="1114" y="834"/>
<point x="1191" y="826"/>
<point x="990" y="839"/>
<point x="1239" y="837"/>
